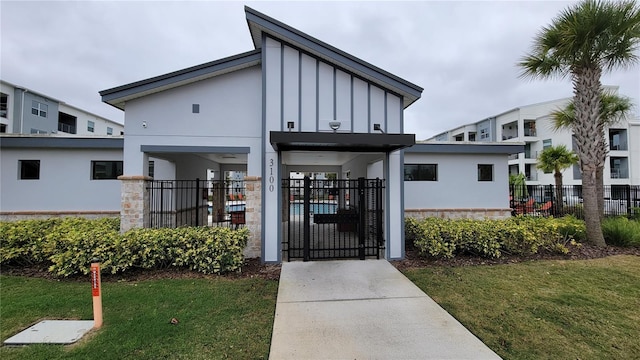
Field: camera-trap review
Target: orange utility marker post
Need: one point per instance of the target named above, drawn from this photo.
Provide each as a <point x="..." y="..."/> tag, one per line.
<point x="96" y="293"/>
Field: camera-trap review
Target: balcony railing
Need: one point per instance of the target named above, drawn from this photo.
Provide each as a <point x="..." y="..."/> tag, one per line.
<point x="619" y="174"/>
<point x="70" y="129"/>
<point x="618" y="147"/>
<point x="530" y="132"/>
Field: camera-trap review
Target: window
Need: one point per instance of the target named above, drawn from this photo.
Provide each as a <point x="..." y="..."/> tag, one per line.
<point x="3" y="128"/>
<point x="421" y="172"/>
<point x="29" y="169"/>
<point x="546" y="143"/>
<point x="67" y="123"/>
<point x="4" y="102"/>
<point x="105" y="170"/>
<point x="485" y="172"/>
<point x="109" y="131"/>
<point x="90" y="126"/>
<point x="152" y="168"/>
<point x="618" y="139"/>
<point x="39" y="109"/>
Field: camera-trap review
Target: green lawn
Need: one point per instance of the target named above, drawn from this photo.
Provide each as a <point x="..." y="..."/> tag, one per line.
<point x="533" y="310"/>
<point x="218" y="318"/>
<point x="545" y="309"/>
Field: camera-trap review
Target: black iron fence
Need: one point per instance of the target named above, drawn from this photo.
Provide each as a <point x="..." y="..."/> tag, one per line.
<point x="332" y="219"/>
<point x="547" y="200"/>
<point x="174" y="203"/>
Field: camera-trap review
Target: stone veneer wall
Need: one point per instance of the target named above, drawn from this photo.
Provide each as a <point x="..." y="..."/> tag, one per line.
<point x="478" y="214"/>
<point x="253" y="215"/>
<point x="134" y="212"/>
<point x="42" y="215"/>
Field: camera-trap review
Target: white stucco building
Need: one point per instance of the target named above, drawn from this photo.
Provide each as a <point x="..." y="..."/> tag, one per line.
<point x="532" y="125"/>
<point x="227" y="143"/>
<point x="293" y="104"/>
<point x="27" y="111"/>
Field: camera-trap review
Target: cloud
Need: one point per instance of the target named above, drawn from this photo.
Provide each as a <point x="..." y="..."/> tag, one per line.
<point x="463" y="54"/>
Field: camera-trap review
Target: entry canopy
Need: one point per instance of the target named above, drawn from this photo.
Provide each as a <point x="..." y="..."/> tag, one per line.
<point x="330" y="141"/>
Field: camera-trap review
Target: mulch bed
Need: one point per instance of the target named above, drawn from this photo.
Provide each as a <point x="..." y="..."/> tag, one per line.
<point x="255" y="269"/>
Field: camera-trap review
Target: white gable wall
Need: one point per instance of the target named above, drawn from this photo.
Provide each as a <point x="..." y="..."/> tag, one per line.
<point x="230" y="113"/>
<point x="311" y="93"/>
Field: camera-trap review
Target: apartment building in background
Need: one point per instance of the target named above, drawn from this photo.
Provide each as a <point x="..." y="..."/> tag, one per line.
<point x="26" y="111"/>
<point x="533" y="126"/>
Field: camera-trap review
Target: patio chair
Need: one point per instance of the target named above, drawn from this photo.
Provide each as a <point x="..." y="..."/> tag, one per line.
<point x="544" y="210"/>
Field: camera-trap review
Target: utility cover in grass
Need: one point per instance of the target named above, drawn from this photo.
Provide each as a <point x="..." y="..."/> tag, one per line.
<point x="52" y="332"/>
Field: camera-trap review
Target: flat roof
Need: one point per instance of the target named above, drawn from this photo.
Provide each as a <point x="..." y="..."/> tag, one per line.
<point x="467" y="148"/>
<point x="335" y="141"/>
<point x="54" y="142"/>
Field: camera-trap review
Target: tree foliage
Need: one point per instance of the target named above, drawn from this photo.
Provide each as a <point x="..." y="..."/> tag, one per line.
<point x="582" y="42"/>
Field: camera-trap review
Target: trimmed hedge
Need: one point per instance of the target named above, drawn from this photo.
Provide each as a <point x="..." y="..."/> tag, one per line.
<point x="68" y="245"/>
<point x="445" y="238"/>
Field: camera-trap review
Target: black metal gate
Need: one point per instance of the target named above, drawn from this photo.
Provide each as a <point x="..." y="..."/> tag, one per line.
<point x="174" y="203"/>
<point x="332" y="219"/>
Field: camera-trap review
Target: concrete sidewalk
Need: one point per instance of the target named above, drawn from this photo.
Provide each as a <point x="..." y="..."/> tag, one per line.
<point x="363" y="310"/>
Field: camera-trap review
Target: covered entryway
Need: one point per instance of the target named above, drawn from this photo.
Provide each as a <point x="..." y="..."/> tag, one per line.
<point x="332" y="219"/>
<point x="343" y="217"/>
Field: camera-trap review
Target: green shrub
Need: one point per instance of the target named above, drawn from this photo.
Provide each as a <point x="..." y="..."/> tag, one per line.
<point x="74" y="242"/>
<point x="491" y="238"/>
<point x="22" y="242"/>
<point x="68" y="245"/>
<point x="621" y="231"/>
<point x="212" y="250"/>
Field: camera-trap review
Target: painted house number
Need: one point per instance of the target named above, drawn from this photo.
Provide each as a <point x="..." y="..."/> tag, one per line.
<point x="271" y="178"/>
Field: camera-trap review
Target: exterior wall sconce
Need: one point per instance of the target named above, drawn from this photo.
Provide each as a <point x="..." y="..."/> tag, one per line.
<point x="290" y="125"/>
<point x="144" y="124"/>
<point x="334" y="125"/>
<point x="376" y="127"/>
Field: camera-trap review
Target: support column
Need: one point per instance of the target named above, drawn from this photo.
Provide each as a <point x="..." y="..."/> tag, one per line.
<point x="134" y="209"/>
<point x="253" y="215"/>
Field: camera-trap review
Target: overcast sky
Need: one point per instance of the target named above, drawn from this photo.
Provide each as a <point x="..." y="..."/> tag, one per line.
<point x="463" y="54"/>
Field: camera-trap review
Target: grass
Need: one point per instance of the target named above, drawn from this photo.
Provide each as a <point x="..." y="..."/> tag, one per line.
<point x="545" y="309"/>
<point x="620" y="231"/>
<point x="218" y="318"/>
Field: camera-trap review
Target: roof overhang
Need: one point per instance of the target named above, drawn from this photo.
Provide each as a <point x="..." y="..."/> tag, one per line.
<point x="118" y="96"/>
<point x="54" y="142"/>
<point x="467" y="148"/>
<point x="329" y="141"/>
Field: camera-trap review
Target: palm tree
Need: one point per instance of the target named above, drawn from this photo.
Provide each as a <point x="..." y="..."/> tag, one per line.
<point x="613" y="108"/>
<point x="582" y="42"/>
<point x="556" y="159"/>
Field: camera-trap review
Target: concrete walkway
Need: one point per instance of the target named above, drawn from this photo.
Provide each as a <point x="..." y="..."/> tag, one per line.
<point x="363" y="310"/>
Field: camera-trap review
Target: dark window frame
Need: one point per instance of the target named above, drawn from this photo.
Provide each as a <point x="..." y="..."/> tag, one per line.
<point x="27" y="169"/>
<point x="111" y="169"/>
<point x="482" y="172"/>
<point x="4" y="105"/>
<point x="422" y="172"/>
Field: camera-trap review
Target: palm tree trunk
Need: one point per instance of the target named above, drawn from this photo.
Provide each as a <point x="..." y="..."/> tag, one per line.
<point x="591" y="212"/>
<point x="600" y="191"/>
<point x="587" y="88"/>
<point x="558" y="203"/>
